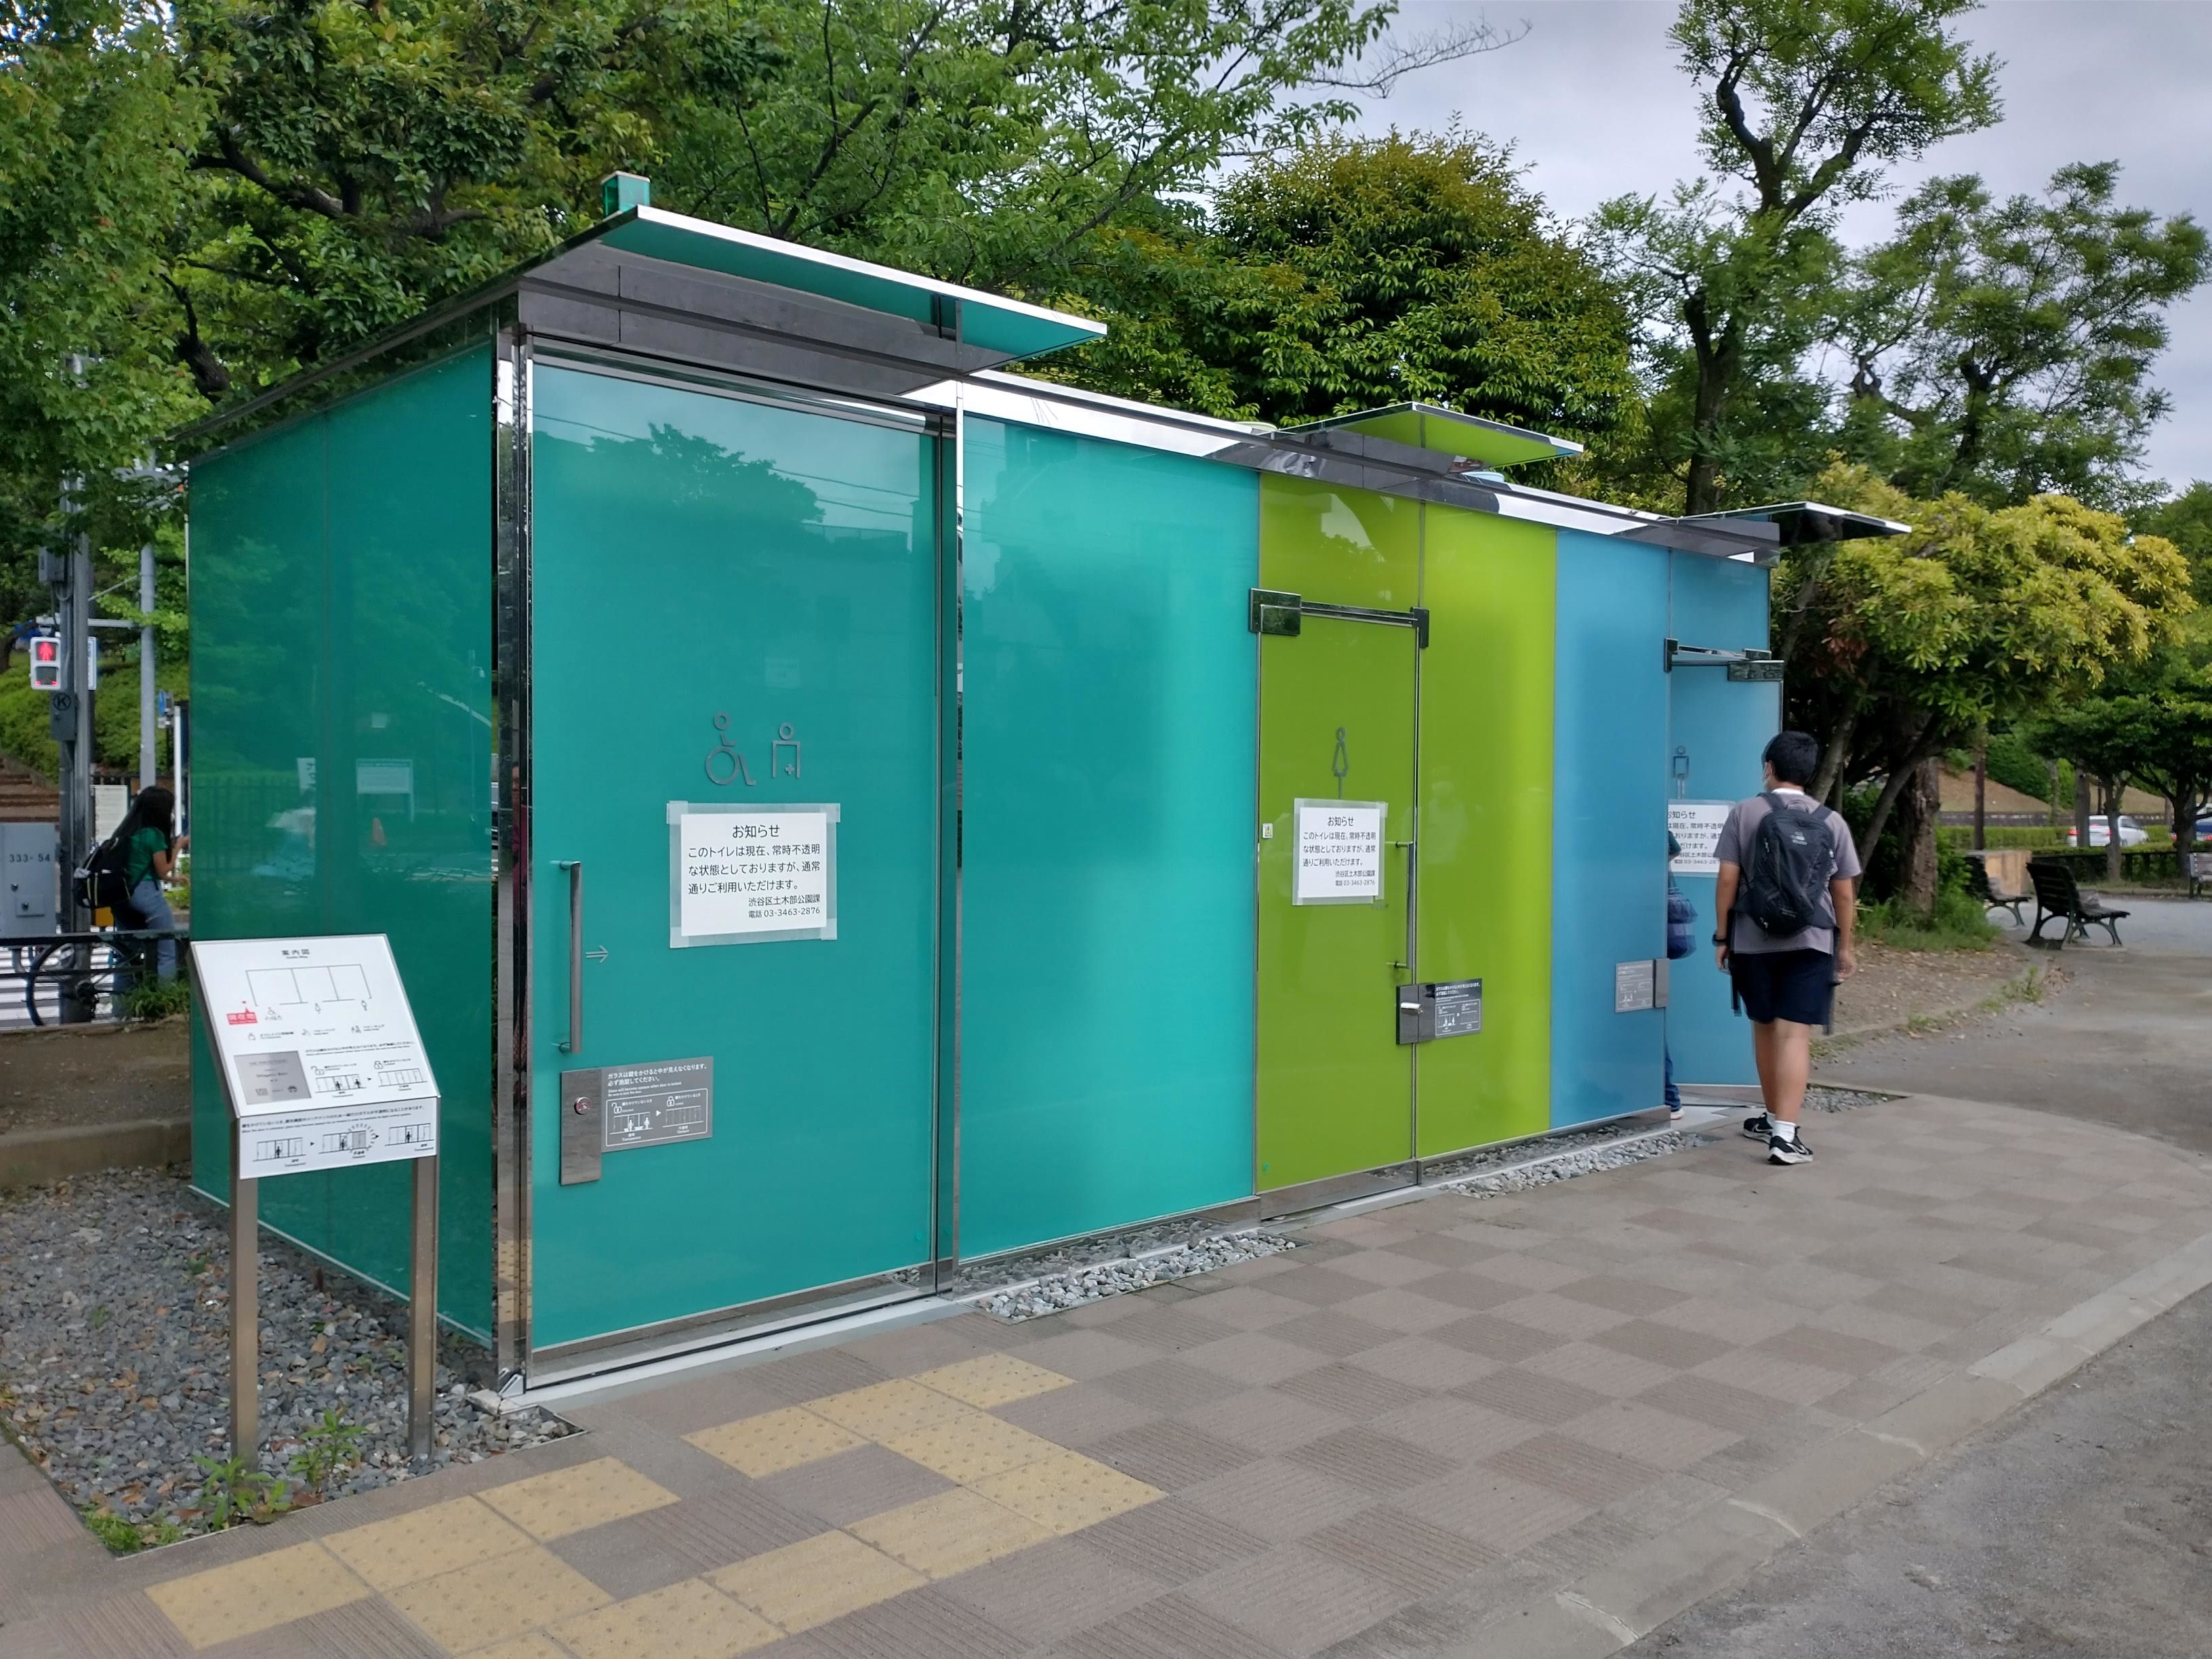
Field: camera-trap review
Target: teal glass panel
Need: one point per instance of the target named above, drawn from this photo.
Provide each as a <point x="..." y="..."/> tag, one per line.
<point x="706" y="571"/>
<point x="1108" y="753"/>
<point x="342" y="766"/>
<point x="1609" y="805"/>
<point x="1716" y="730"/>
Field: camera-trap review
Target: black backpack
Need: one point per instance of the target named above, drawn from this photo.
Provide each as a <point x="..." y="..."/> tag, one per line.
<point x="1785" y="879"/>
<point x="100" y="882"/>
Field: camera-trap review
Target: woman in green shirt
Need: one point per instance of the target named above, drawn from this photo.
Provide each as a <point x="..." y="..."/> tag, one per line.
<point x="148" y="837"/>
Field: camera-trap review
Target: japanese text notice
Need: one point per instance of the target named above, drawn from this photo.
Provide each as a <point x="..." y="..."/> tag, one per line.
<point x="1340" y="852"/>
<point x="740" y="878"/>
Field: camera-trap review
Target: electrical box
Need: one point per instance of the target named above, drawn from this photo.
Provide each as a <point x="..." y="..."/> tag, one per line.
<point x="30" y="862"/>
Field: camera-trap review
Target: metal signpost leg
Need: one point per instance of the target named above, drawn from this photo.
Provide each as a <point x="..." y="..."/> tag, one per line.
<point x="245" y="1307"/>
<point x="422" y="1315"/>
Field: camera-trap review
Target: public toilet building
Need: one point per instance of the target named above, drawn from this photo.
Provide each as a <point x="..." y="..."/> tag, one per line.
<point x="842" y="809"/>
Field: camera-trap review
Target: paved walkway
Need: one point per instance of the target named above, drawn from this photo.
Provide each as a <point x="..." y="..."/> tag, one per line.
<point x="1537" y="1424"/>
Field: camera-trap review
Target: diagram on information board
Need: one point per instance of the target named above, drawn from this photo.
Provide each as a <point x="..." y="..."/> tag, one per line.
<point x="282" y="988"/>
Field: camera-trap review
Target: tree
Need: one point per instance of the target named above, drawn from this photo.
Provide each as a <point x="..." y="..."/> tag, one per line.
<point x="2160" y="740"/>
<point x="2187" y="521"/>
<point x="2004" y="348"/>
<point x="1346" y="275"/>
<point x="1806" y="103"/>
<point x="1898" y="648"/>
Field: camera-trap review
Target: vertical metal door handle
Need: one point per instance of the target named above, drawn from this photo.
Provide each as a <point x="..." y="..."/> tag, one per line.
<point x="575" y="869"/>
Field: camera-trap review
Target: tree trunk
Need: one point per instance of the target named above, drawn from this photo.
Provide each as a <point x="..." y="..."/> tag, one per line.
<point x="2112" y="792"/>
<point x="1834" y="759"/>
<point x="1982" y="794"/>
<point x="1893" y="785"/>
<point x="2054" y="793"/>
<point x="1919" y="809"/>
<point x="2081" y="807"/>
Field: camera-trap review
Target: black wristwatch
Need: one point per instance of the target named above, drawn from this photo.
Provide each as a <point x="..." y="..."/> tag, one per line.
<point x="1718" y="939"/>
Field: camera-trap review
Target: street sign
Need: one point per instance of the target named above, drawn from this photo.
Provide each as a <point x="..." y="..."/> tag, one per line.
<point x="324" y="1068"/>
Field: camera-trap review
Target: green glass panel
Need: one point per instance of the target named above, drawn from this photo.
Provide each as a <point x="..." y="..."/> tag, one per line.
<point x="342" y="766"/>
<point x="1334" y="1087"/>
<point x="1108" y="762"/>
<point x="697" y="557"/>
<point x="1427" y="426"/>
<point x="1485" y="876"/>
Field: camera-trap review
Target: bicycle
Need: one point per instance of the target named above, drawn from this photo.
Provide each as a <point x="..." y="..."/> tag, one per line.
<point x="114" y="961"/>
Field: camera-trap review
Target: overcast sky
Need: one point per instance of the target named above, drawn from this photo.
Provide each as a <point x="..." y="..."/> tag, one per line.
<point x="1594" y="100"/>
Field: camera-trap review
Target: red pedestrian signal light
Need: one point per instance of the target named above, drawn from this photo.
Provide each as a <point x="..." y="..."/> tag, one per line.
<point x="46" y="663"/>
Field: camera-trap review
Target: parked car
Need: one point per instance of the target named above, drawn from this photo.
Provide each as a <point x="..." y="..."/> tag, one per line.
<point x="2204" y="829"/>
<point x="2101" y="834"/>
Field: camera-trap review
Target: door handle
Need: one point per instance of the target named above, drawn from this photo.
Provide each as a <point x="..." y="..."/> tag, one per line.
<point x="575" y="869"/>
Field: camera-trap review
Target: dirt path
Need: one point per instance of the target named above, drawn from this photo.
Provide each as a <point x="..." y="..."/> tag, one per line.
<point x="83" y="1074"/>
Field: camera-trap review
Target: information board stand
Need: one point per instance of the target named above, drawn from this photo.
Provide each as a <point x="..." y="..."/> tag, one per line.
<point x="324" y="1069"/>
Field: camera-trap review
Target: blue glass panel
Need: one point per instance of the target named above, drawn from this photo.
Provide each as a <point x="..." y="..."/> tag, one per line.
<point x="1107" y="889"/>
<point x="1609" y="873"/>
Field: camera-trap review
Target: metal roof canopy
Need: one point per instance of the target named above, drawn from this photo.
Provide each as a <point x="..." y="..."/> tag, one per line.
<point x="1797" y="523"/>
<point x="1447" y="432"/>
<point x="1008" y="329"/>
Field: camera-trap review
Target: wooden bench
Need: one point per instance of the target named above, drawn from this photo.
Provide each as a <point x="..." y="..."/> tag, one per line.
<point x="1995" y="878"/>
<point x="2057" y="894"/>
<point x="2200" y="874"/>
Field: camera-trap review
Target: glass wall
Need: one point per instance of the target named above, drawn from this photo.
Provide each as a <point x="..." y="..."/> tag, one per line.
<point x="342" y="765"/>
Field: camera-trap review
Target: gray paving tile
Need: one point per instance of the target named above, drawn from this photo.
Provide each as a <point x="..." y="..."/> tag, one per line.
<point x="1496" y="1338"/>
<point x="1172" y="1329"/>
<point x="1170" y="1541"/>
<point x="1521" y="1393"/>
<point x="1265" y="1420"/>
<point x="1169" y="1385"/>
<point x="1078" y="1416"/>
<point x="1455" y="1428"/>
<point x="1349" y="1391"/>
<point x="1663" y="1344"/>
<point x="1276" y="1500"/>
<point x="1256" y="1358"/>
<point x="1170" y="1454"/>
<point x="1418" y="1555"/>
<point x="362" y="1630"/>
<point x="1297" y="1600"/>
<point x="1333" y="1334"/>
<point x="1172" y="1627"/>
<point x="1371" y="1462"/>
<point x="920" y="1623"/>
<point x="862" y="1482"/>
<point x="1053" y="1591"/>
<point x="1589" y="1475"/>
<point x="1503" y="1514"/>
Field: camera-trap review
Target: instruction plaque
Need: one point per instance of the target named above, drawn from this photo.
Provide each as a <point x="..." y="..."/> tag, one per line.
<point x="318" y="1051"/>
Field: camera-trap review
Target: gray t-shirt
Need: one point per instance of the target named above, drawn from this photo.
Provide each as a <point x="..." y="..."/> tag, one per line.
<point x="1745" y="935"/>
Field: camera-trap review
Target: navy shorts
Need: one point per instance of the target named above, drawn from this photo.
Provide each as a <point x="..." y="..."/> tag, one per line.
<point x="1792" y="985"/>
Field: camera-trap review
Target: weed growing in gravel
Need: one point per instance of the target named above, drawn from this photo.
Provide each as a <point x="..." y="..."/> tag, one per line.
<point x="332" y="1446"/>
<point x="112" y="1530"/>
<point x="234" y="1492"/>
<point x="153" y="1000"/>
<point x="98" y="1316"/>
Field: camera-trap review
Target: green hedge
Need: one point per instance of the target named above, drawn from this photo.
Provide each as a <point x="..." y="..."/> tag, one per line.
<point x="2001" y="836"/>
<point x="2136" y="863"/>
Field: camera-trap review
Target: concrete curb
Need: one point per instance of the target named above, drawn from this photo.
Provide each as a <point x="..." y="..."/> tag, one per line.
<point x="1722" y="1544"/>
<point x="31" y="1156"/>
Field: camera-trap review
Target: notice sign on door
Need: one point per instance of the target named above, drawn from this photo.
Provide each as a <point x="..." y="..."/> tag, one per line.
<point x="1697" y="827"/>
<point x="1340" y="852"/>
<point x="747" y="877"/>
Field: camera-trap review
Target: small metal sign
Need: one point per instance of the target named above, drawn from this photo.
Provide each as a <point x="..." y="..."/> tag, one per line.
<point x="654" y="1105"/>
<point x="1439" y="1008"/>
<point x="619" y="1108"/>
<point x="1635" y="986"/>
<point x="1761" y="669"/>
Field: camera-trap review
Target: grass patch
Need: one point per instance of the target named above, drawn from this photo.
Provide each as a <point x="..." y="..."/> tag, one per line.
<point x="1958" y="924"/>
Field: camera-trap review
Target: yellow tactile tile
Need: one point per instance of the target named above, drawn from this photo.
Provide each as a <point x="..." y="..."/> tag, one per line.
<point x="950" y="1533"/>
<point x="992" y="1379"/>
<point x="883" y="1409"/>
<point x="224" y="1603"/>
<point x="569" y="1500"/>
<point x="970" y="1446"/>
<point x="811" y="1583"/>
<point x="776" y="1441"/>
<point x="1067" y="1491"/>
<point x="457" y="1533"/>
<point x="532" y="1646"/>
<point x="493" y="1599"/>
<point x="689" y="1621"/>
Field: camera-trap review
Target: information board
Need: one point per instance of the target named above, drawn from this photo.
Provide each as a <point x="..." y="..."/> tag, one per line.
<point x="653" y="1105"/>
<point x="747" y="877"/>
<point x="1635" y="986"/>
<point x="1697" y="829"/>
<point x="318" y="1050"/>
<point x="1340" y="852"/>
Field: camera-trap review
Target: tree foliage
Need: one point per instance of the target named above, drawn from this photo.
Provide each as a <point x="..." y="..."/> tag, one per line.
<point x="2004" y="348"/>
<point x="1804" y="105"/>
<point x="1901" y="647"/>
<point x="1344" y="274"/>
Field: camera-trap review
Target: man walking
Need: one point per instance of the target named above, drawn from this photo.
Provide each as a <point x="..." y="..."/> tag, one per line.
<point x="1786" y="903"/>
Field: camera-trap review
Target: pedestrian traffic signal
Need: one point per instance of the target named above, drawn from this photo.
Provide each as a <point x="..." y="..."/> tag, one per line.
<point x="46" y="663"/>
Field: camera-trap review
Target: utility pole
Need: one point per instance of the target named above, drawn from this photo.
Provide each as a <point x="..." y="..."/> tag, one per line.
<point x="149" y="726"/>
<point x="69" y="571"/>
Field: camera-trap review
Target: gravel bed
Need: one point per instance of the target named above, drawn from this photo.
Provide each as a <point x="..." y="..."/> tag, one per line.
<point x="115" y="1355"/>
<point x="1520" y="1151"/>
<point x="1618" y="1153"/>
<point x="1099" y="1269"/>
<point x="1822" y="1098"/>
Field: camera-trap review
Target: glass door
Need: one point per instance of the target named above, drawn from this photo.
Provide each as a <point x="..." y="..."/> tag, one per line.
<point x="734" y="861"/>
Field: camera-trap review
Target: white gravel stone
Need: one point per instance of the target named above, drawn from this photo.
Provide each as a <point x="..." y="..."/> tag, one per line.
<point x="1067" y="1276"/>
<point x="115" y="1353"/>
<point x="1616" y="1152"/>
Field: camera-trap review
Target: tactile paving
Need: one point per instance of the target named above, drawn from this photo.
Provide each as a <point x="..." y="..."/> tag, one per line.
<point x="883" y="1410"/>
<point x="687" y="1620"/>
<point x="1067" y="1491"/>
<point x="950" y="1533"/>
<point x="496" y="1599"/>
<point x="569" y="1500"/>
<point x="967" y="1447"/>
<point x="776" y="1441"/>
<point x="992" y="1379"/>
<point x="440" y="1539"/>
<point x="224" y="1603"/>
<point x="802" y="1585"/>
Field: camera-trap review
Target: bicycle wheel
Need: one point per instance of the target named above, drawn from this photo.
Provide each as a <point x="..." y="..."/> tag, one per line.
<point x="86" y="985"/>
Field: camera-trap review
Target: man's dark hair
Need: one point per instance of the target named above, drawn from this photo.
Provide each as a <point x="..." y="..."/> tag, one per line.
<point x="1794" y="757"/>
